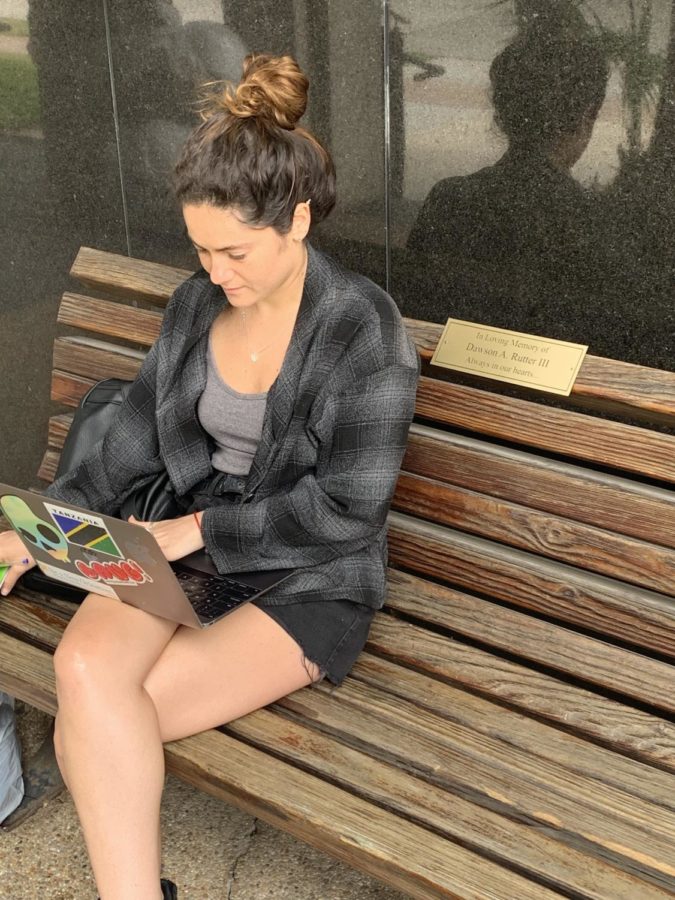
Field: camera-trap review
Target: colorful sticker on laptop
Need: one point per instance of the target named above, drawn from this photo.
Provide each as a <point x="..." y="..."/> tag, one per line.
<point x="84" y="530"/>
<point x="34" y="531"/>
<point x="127" y="572"/>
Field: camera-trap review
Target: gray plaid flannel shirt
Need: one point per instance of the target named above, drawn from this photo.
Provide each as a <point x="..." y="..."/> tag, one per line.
<point x="333" y="437"/>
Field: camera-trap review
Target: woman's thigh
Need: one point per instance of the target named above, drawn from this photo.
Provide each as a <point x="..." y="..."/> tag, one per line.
<point x="108" y="639"/>
<point x="206" y="677"/>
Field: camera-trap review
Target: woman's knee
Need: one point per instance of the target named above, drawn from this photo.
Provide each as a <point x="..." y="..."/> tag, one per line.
<point x="87" y="660"/>
<point x="79" y="664"/>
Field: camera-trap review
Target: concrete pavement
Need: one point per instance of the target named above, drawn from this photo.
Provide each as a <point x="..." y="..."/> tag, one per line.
<point x="213" y="851"/>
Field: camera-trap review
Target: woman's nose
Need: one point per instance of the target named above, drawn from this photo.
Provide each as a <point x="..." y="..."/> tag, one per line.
<point x="221" y="272"/>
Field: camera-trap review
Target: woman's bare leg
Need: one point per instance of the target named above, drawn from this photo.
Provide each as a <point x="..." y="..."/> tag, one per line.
<point x="108" y="741"/>
<point x="126" y="683"/>
<point x="210" y="677"/>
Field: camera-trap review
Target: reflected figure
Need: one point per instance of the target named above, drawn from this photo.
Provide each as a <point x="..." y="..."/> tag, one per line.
<point x="160" y="62"/>
<point x="516" y="244"/>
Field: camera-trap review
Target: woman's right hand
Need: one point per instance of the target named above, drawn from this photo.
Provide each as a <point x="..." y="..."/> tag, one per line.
<point x="13" y="554"/>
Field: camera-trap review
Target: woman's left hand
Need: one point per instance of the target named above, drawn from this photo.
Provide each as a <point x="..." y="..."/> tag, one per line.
<point x="176" y="537"/>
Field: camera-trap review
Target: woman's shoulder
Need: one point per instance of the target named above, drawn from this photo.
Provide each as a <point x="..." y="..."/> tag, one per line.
<point x="349" y="297"/>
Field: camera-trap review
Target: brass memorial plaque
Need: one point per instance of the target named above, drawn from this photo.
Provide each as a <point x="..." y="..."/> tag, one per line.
<point x="541" y="363"/>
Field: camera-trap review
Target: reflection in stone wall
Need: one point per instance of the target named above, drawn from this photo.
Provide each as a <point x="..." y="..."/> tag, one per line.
<point x="557" y="216"/>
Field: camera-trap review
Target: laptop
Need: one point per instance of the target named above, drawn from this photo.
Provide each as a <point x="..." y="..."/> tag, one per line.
<point x="108" y="556"/>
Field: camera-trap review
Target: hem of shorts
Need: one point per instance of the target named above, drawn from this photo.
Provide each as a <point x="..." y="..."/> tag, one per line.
<point x="336" y="679"/>
<point x="324" y="671"/>
<point x="305" y="659"/>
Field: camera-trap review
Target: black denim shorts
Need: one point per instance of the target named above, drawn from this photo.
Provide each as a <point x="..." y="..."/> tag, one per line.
<point x="330" y="633"/>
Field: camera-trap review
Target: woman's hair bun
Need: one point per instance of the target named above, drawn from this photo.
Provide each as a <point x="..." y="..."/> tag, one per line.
<point x="273" y="89"/>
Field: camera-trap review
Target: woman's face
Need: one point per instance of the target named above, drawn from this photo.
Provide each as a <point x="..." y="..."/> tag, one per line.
<point x="249" y="264"/>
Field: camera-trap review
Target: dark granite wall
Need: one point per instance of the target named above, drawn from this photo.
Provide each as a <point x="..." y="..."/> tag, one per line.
<point x="96" y="99"/>
<point x="538" y="186"/>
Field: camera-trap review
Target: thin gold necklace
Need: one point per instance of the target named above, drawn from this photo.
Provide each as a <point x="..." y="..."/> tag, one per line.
<point x="254" y="355"/>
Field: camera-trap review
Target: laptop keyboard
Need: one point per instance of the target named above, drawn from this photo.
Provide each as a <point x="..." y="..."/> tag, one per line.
<point x="213" y="595"/>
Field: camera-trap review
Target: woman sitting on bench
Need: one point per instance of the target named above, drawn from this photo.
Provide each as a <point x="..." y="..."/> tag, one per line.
<point x="278" y="399"/>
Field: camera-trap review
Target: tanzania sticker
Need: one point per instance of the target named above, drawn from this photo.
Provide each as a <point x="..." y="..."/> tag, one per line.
<point x="35" y="531"/>
<point x="83" y="529"/>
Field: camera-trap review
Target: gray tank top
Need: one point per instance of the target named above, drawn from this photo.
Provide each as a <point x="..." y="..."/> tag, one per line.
<point x="233" y="420"/>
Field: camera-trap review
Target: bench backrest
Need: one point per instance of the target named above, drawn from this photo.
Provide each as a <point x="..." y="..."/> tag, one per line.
<point x="555" y="508"/>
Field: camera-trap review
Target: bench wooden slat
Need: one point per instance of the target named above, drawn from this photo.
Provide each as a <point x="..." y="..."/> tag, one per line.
<point x="69" y="389"/>
<point x="27" y="673"/>
<point x="126" y="278"/>
<point x="511" y="631"/>
<point x="568" y="433"/>
<point x="611" y="722"/>
<point x="639" y="617"/>
<point x="502" y="839"/>
<point x="627" y="385"/>
<point x="47" y="470"/>
<point x="582" y="711"/>
<point x="609" y="383"/>
<point x="406" y="855"/>
<point x="58" y="428"/>
<point x="111" y="319"/>
<point x="586" y="814"/>
<point x="583" y="546"/>
<point x="601" y="499"/>
<point x="572" y="750"/>
<point x="37" y="624"/>
<point x="96" y="359"/>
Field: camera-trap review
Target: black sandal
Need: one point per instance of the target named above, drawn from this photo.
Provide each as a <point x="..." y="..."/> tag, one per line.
<point x="169" y="890"/>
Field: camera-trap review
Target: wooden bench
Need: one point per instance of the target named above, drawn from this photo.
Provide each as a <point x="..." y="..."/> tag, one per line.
<point x="509" y="731"/>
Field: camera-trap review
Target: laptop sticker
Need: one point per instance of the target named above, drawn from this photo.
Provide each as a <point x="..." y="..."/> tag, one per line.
<point x="126" y="572"/>
<point x="37" y="532"/>
<point x="83" y="529"/>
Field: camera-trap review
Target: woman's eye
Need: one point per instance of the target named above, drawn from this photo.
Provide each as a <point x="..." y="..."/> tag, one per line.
<point x="237" y="258"/>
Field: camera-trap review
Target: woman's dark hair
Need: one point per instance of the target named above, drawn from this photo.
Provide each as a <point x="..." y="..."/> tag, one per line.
<point x="250" y="153"/>
<point x="544" y="82"/>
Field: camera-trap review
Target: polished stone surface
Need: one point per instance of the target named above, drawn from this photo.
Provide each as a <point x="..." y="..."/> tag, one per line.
<point x="162" y="52"/>
<point x="59" y="187"/>
<point x="498" y="230"/>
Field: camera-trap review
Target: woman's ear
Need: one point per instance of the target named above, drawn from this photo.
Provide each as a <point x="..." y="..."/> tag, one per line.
<point x="302" y="219"/>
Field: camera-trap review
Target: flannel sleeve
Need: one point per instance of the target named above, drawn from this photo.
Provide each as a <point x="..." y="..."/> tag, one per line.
<point x="342" y="506"/>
